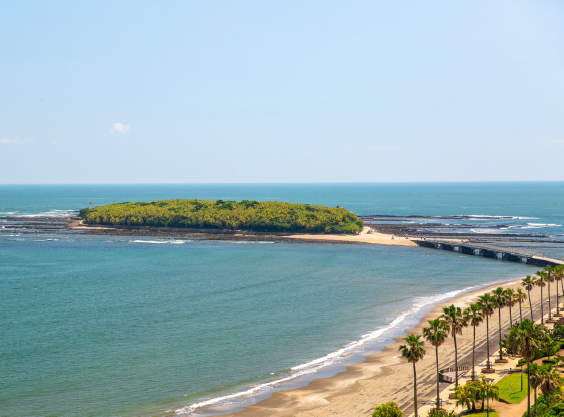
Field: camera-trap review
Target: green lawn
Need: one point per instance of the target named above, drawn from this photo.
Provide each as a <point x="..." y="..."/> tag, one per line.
<point x="482" y="414"/>
<point x="505" y="385"/>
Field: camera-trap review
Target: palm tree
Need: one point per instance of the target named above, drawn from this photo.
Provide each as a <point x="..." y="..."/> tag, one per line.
<point x="453" y="318"/>
<point x="541" y="282"/>
<point x="473" y="316"/>
<point x="520" y="296"/>
<point x="525" y="336"/>
<point x="500" y="302"/>
<point x="390" y="409"/>
<point x="487" y="305"/>
<point x="555" y="278"/>
<point x="512" y="341"/>
<point x="489" y="391"/>
<point x="550" y="380"/>
<point x="464" y="397"/>
<point x="535" y="380"/>
<point x="529" y="283"/>
<point x="413" y="351"/>
<point x="436" y="334"/>
<point x="510" y="302"/>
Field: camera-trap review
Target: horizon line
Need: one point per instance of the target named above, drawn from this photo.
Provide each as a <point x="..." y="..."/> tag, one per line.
<point x="288" y="183"/>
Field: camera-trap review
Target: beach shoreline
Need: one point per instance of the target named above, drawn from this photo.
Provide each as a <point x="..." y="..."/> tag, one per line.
<point x="380" y="377"/>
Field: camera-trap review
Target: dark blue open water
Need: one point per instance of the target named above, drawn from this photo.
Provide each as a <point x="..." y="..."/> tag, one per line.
<point x="118" y="326"/>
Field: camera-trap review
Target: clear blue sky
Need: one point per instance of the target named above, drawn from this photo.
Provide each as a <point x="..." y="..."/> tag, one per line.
<point x="281" y="91"/>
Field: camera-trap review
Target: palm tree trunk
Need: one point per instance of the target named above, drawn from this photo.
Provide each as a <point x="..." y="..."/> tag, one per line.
<point x="438" y="392"/>
<point x="488" y="402"/>
<point x="535" y="401"/>
<point x="557" y="303"/>
<point x="549" y="307"/>
<point x="520" y="312"/>
<point x="521" y="377"/>
<point x="562" y="285"/>
<point x="531" y="306"/>
<point x="455" y="363"/>
<point x="415" y="389"/>
<point x="488" y="340"/>
<point x="547" y="401"/>
<point x="500" y="352"/>
<point x="473" y="354"/>
<point x="528" y="389"/>
<point x="510" y="317"/>
<point x="542" y="310"/>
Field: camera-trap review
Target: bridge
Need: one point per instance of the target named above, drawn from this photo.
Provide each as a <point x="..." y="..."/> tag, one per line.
<point x="487" y="251"/>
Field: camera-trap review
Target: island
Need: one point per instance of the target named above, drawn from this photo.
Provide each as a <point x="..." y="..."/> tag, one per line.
<point x="259" y="216"/>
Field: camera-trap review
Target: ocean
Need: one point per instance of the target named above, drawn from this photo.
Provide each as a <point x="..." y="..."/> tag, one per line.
<point x="131" y="326"/>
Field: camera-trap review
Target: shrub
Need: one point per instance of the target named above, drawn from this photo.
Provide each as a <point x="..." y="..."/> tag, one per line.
<point x="390" y="409"/>
<point x="440" y="413"/>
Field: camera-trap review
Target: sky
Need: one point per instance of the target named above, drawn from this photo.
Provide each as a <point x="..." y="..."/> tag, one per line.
<point x="281" y="91"/>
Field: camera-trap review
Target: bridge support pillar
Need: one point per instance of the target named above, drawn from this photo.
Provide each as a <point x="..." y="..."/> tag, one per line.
<point x="499" y="255"/>
<point x="524" y="260"/>
<point x="478" y="252"/>
<point x="456" y="248"/>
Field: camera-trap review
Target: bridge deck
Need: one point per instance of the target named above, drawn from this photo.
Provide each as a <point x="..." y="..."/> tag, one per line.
<point x="529" y="256"/>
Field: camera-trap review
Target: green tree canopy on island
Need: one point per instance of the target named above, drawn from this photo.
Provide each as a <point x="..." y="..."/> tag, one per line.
<point x="269" y="216"/>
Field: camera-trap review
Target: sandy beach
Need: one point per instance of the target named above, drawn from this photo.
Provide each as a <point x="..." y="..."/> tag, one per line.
<point x="385" y="376"/>
<point x="374" y="238"/>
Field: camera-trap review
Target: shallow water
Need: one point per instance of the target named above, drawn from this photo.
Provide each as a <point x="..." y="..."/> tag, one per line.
<point x="129" y="327"/>
<point x="114" y="326"/>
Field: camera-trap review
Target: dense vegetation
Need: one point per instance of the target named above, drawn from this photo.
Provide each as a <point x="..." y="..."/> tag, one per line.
<point x="244" y="215"/>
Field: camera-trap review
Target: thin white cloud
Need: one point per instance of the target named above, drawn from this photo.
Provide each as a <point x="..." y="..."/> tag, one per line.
<point x="8" y="141"/>
<point x="121" y="128"/>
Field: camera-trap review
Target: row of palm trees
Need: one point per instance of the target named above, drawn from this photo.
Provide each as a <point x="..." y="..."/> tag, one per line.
<point x="454" y="320"/>
<point x="542" y="279"/>
<point x="524" y="338"/>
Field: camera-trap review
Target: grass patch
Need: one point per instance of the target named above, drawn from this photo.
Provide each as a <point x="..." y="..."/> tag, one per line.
<point x="516" y="394"/>
<point x="482" y="414"/>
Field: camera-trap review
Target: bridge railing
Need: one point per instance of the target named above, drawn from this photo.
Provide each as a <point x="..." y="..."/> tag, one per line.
<point x="447" y="378"/>
<point x="485" y="247"/>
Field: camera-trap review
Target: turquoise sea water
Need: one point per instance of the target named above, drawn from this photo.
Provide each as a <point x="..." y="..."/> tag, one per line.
<point x="129" y="326"/>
